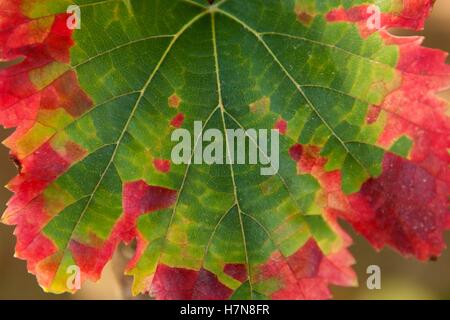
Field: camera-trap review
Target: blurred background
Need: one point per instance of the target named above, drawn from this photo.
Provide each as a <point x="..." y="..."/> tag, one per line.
<point x="400" y="278"/>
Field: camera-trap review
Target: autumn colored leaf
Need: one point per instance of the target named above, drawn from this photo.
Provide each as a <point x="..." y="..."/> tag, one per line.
<point x="96" y="92"/>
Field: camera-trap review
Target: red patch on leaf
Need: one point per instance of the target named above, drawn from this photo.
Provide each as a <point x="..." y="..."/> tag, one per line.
<point x="38" y="171"/>
<point x="20" y="100"/>
<point x="64" y="93"/>
<point x="208" y="287"/>
<point x="31" y="244"/>
<point x="281" y="126"/>
<point x="140" y="198"/>
<point x="296" y="152"/>
<point x="310" y="159"/>
<point x="91" y="260"/>
<point x="36" y="254"/>
<point x="162" y="165"/>
<point x="305" y="262"/>
<point x="183" y="284"/>
<point x="173" y="283"/>
<point x="236" y="271"/>
<point x="373" y="114"/>
<point x="177" y="121"/>
<point x="405" y="207"/>
<point x="307" y="273"/>
<point x="415" y="111"/>
<point x="10" y="14"/>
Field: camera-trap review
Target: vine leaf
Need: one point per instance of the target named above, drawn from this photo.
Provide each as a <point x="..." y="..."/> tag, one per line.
<point x="363" y="137"/>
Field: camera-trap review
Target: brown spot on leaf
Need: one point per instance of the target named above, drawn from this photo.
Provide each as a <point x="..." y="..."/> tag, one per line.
<point x="16" y="162"/>
<point x="267" y="187"/>
<point x="304" y="13"/>
<point x="260" y="106"/>
<point x="304" y="17"/>
<point x="174" y="101"/>
<point x="73" y="152"/>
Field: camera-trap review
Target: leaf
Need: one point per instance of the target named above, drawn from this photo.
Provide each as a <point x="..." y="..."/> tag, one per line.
<point x="363" y="137"/>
